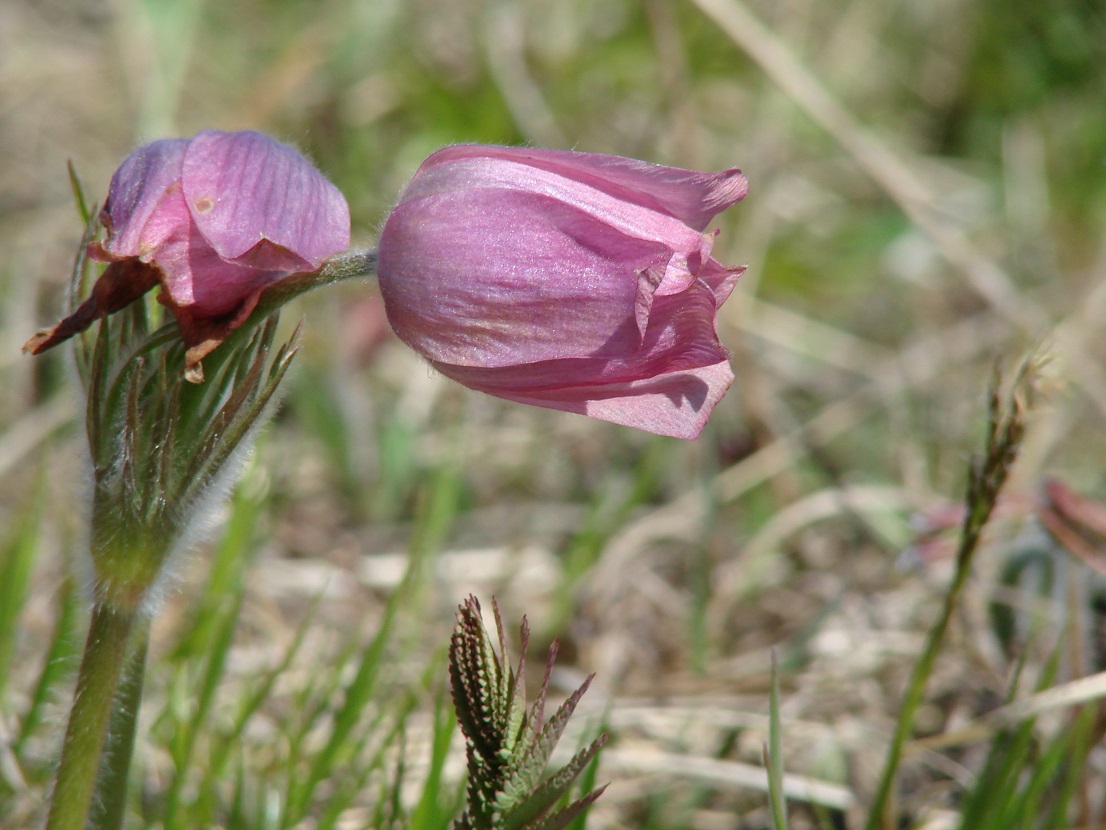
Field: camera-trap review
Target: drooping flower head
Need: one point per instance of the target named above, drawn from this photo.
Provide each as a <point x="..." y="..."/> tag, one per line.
<point x="566" y="280"/>
<point x="214" y="220"/>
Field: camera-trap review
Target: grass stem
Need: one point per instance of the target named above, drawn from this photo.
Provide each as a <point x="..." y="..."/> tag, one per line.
<point x="882" y="812"/>
<point x="1006" y="428"/>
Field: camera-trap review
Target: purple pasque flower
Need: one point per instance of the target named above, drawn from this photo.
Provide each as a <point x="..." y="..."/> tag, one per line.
<point x="567" y="280"/>
<point x="214" y="220"/>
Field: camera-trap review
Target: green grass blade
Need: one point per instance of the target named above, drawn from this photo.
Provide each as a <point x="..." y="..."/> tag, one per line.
<point x="205" y="697"/>
<point x="986" y="477"/>
<point x="78" y="193"/>
<point x="588" y="783"/>
<point x="1085" y="732"/>
<point x="996" y="787"/>
<point x="16" y="561"/>
<point x="229" y="563"/>
<point x="773" y="753"/>
<point x="354" y="782"/>
<point x="431" y="812"/>
<point x="59" y="663"/>
<point x="357" y="699"/>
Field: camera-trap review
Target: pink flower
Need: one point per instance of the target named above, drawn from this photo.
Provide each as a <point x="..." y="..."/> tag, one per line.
<point x="214" y="219"/>
<point x="567" y="280"/>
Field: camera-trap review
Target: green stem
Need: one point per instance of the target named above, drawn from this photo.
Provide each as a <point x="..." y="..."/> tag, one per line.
<point x="110" y="803"/>
<point x="1006" y="428"/>
<point x="104" y="657"/>
<point x="882" y="812"/>
<point x="347" y="266"/>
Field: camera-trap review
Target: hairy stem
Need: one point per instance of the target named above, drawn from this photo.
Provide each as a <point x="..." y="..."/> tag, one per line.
<point x="104" y="657"/>
<point x="110" y="800"/>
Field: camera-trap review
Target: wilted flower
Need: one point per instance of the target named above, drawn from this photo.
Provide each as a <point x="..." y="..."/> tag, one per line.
<point x="214" y="219"/>
<point x="567" y="280"/>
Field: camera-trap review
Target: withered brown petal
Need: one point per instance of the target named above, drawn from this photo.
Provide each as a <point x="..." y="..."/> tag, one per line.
<point x="202" y="335"/>
<point x="121" y="284"/>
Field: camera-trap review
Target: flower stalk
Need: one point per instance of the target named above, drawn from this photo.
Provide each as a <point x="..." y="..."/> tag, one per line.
<point x="111" y="784"/>
<point x="165" y="434"/>
<point x="105" y="655"/>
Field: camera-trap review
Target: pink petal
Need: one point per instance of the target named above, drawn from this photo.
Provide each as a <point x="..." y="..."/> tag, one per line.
<point x="678" y="405"/>
<point x="135" y="191"/>
<point x="169" y="220"/>
<point x="194" y="276"/>
<point x="565" y="280"/>
<point x="619" y="211"/>
<point x="692" y="197"/>
<point x="669" y="386"/>
<point x="494" y="277"/>
<point x="254" y="198"/>
<point x="720" y="279"/>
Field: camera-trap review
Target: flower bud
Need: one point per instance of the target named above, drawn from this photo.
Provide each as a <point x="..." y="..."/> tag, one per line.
<point x="214" y="220"/>
<point x="566" y="280"/>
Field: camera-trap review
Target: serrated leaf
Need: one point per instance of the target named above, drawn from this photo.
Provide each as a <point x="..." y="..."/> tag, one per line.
<point x="477" y="678"/>
<point x="566" y="815"/>
<point x="536" y="717"/>
<point x="507" y="746"/>
<point x="551" y="790"/>
<point x="526" y="775"/>
<point x="514" y="691"/>
<point x="504" y="682"/>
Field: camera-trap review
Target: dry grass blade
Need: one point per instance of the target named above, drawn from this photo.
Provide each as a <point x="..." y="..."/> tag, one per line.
<point x="921" y="363"/>
<point x="1073" y="693"/>
<point x="887" y="168"/>
<point x="727" y="773"/>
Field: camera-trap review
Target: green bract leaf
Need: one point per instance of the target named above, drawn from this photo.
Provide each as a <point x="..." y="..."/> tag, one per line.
<point x="508" y="748"/>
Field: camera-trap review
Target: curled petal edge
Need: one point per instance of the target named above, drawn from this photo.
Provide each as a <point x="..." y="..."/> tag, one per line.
<point x="676" y="404"/>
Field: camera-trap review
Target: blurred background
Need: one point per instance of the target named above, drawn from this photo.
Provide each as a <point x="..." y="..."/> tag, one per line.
<point x="926" y="198"/>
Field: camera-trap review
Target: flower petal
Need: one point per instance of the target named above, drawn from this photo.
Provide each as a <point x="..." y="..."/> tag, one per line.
<point x="678" y="405"/>
<point x="495" y="171"/>
<point x="136" y="189"/>
<point x="193" y="275"/>
<point x="669" y="386"/>
<point x="720" y="279"/>
<point x="565" y="280"/>
<point x="494" y="277"/>
<point x="692" y="197"/>
<point x="245" y="189"/>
